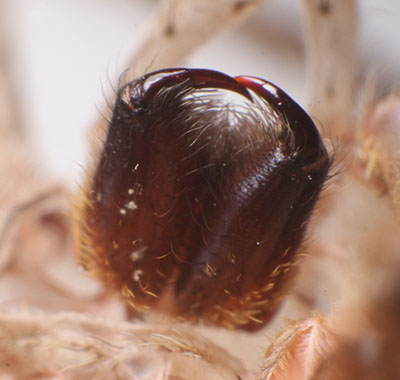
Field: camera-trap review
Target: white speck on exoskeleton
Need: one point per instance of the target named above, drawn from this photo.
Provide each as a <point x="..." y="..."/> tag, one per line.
<point x="138" y="254"/>
<point x="137" y="274"/>
<point x="122" y="211"/>
<point x="131" y="205"/>
<point x="131" y="191"/>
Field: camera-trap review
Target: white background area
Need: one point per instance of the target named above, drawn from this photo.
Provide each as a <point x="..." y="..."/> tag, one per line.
<point x="66" y="53"/>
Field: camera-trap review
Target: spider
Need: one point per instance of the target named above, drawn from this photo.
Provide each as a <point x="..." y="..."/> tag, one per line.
<point x="339" y="320"/>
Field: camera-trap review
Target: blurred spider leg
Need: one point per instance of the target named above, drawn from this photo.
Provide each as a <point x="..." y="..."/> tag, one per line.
<point x="14" y="155"/>
<point x="330" y="28"/>
<point x="379" y="133"/>
<point x="181" y="26"/>
<point x="24" y="198"/>
<point x="9" y="120"/>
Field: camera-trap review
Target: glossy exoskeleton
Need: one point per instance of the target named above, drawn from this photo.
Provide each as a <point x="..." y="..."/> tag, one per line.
<point x="199" y="200"/>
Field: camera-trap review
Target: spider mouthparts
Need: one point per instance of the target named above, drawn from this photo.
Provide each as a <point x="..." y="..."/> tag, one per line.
<point x="201" y="195"/>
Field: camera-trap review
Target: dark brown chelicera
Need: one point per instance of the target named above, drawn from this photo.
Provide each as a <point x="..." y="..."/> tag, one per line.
<point x="200" y="198"/>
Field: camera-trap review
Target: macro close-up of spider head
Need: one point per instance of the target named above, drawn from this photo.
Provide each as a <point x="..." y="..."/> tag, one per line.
<point x="228" y="208"/>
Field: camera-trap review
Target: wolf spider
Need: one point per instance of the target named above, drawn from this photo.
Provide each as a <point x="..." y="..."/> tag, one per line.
<point x="340" y="316"/>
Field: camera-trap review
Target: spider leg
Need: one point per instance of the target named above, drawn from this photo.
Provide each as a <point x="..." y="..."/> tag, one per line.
<point x="180" y="26"/>
<point x="9" y="118"/>
<point x="330" y="30"/>
<point x="379" y="151"/>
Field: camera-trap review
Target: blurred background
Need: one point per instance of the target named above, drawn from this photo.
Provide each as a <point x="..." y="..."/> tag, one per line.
<point x="68" y="54"/>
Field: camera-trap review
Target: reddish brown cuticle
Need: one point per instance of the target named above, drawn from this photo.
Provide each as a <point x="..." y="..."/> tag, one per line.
<point x="216" y="197"/>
